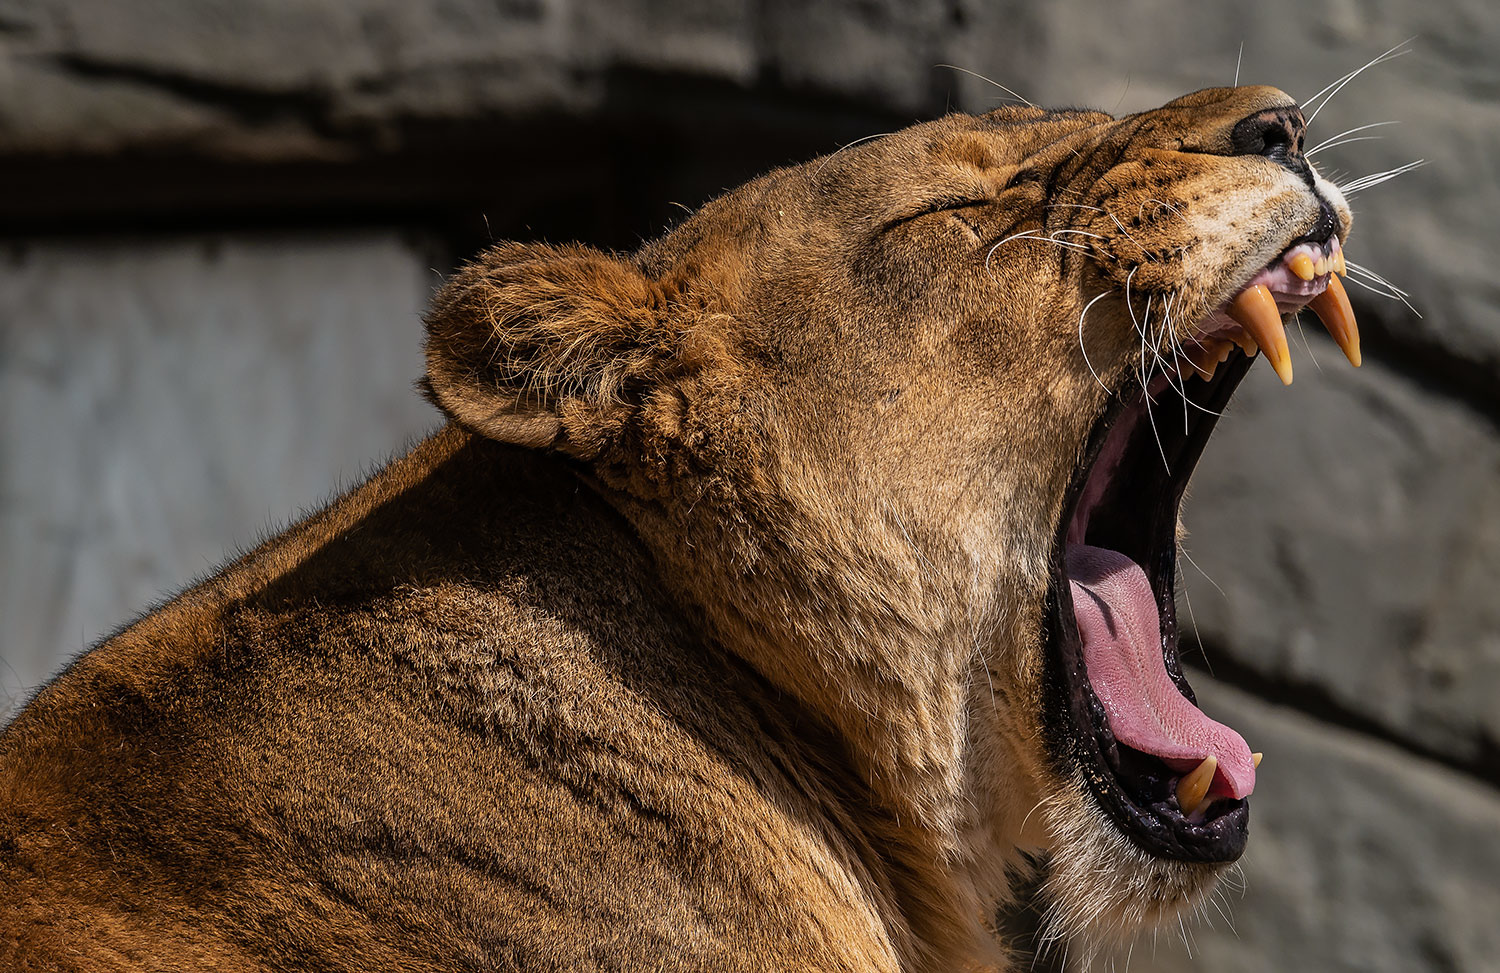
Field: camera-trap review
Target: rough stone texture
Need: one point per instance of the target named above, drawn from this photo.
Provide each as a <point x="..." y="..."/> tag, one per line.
<point x="162" y="403"/>
<point x="1351" y="526"/>
<point x="1361" y="860"/>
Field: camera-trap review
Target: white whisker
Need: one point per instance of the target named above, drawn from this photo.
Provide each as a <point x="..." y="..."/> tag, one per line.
<point x="976" y="74"/>
<point x="1390" y="290"/>
<point x="1175" y="367"/>
<point x="1327" y="93"/>
<point x="1023" y="235"/>
<point x="1204" y="410"/>
<point x="1162" y="203"/>
<point x="1193" y="617"/>
<point x="1227" y="921"/>
<point x="1376" y="178"/>
<point x="1033" y="810"/>
<point x="1204" y="573"/>
<point x="1238" y="59"/>
<point x="1031" y="235"/>
<point x="1178" y="354"/>
<point x="1305" y="346"/>
<point x="1353" y="278"/>
<point x="1364" y="271"/>
<point x="847" y="145"/>
<point x="1333" y="140"/>
<point x="1081" y="348"/>
<point x="1146" y="376"/>
<point x="1127" y="235"/>
<point x="1362" y="138"/>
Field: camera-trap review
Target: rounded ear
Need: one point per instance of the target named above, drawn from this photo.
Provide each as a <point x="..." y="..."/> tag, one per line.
<point x="547" y="346"/>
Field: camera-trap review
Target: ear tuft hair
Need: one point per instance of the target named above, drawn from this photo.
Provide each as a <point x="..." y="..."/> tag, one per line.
<point x="547" y="346"/>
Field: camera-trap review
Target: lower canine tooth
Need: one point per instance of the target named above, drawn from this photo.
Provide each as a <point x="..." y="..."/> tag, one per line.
<point x="1192" y="788"/>
<point x="1255" y="311"/>
<point x="1332" y="308"/>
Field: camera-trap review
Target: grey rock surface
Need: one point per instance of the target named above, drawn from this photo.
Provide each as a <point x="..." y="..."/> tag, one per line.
<point x="1350" y="524"/>
<point x="1361" y="860"/>
<point x="164" y="402"/>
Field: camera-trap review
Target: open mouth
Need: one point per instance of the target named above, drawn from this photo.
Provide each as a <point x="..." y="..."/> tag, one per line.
<point x="1119" y="706"/>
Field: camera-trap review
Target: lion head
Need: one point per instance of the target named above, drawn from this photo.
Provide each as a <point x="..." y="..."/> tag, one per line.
<point x="907" y="427"/>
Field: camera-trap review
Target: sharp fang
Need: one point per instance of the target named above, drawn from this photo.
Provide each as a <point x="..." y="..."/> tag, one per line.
<point x="1332" y="308"/>
<point x="1302" y="265"/>
<point x="1255" y="311"/>
<point x="1255" y="759"/>
<point x="1339" y="265"/>
<point x="1192" y="788"/>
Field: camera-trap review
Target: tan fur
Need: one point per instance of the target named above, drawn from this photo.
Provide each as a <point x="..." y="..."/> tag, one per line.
<point x="706" y="636"/>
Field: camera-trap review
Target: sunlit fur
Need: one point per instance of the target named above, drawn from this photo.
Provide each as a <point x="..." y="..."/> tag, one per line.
<point x="779" y="531"/>
<point x="857" y="469"/>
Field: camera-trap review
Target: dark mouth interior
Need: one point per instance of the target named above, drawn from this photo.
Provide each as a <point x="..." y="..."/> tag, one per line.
<point x="1125" y="497"/>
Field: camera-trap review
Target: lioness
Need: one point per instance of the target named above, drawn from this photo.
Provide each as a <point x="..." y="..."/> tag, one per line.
<point x="771" y="597"/>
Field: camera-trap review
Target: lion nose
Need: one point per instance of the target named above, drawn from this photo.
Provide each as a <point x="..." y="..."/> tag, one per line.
<point x="1276" y="133"/>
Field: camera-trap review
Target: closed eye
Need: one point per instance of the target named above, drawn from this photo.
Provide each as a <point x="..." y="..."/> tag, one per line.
<point x="952" y="205"/>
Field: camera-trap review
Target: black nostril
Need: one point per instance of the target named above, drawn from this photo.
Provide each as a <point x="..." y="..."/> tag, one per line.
<point x="1276" y="133"/>
<point x="1276" y="140"/>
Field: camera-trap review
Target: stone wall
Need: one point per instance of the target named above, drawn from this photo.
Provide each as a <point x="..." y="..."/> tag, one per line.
<point x="207" y="320"/>
<point x="166" y="401"/>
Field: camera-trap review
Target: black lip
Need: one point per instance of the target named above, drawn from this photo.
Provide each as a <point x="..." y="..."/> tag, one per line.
<point x="1326" y="227"/>
<point x="1134" y="788"/>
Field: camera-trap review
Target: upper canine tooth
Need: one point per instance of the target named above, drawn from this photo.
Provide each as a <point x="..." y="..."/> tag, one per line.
<point x="1255" y="311"/>
<point x="1302" y="265"/>
<point x="1332" y="308"/>
<point x="1192" y="787"/>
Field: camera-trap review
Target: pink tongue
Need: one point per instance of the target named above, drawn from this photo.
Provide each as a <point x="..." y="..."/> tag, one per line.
<point x="1121" y="632"/>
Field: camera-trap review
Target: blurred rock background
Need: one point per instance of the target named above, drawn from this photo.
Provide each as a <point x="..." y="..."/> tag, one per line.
<point x="219" y="220"/>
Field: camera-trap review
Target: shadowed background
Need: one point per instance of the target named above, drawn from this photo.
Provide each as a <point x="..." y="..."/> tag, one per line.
<point x="220" y="219"/>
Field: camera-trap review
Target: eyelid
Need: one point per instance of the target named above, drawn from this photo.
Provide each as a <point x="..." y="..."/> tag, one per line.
<point x="940" y="205"/>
